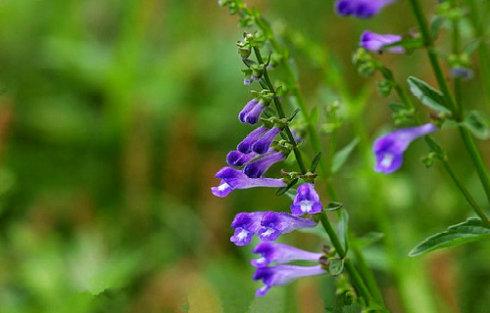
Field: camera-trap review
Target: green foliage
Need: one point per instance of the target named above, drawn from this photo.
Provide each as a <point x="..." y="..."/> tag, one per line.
<point x="477" y="124"/>
<point x="342" y="155"/>
<point x="468" y="231"/>
<point x="428" y="95"/>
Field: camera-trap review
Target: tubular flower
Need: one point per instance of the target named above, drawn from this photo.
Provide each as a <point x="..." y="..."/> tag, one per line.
<point x="245" y="146"/>
<point x="360" y="8"/>
<point x="246" y="225"/>
<point x="251" y="112"/>
<point x="278" y="253"/>
<point x="306" y="201"/>
<point x="389" y="148"/>
<point x="274" y="224"/>
<point x="257" y="168"/>
<point x="376" y="42"/>
<point x="232" y="179"/>
<point x="262" y="145"/>
<point x="283" y="274"/>
<point x="237" y="158"/>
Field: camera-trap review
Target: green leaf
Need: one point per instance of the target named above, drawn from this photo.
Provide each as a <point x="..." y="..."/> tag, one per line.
<point x="341" y="156"/>
<point x="428" y="95"/>
<point x="477" y="124"/>
<point x="335" y="266"/>
<point x="334" y="206"/>
<point x="315" y="162"/>
<point x="285" y="189"/>
<point x="470" y="230"/>
<point x="343" y="228"/>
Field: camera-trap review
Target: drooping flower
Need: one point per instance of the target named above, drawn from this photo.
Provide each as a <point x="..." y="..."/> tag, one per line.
<point x="251" y="111"/>
<point x="306" y="201"/>
<point x="245" y="146"/>
<point x="274" y="224"/>
<point x="262" y="145"/>
<point x="389" y="148"/>
<point x="283" y="274"/>
<point x="278" y="253"/>
<point x="246" y="225"/>
<point x="376" y="42"/>
<point x="237" y="158"/>
<point x="360" y="8"/>
<point x="232" y="179"/>
<point x="257" y="168"/>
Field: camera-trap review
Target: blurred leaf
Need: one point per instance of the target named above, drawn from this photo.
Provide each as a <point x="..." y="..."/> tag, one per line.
<point x="468" y="231"/>
<point x="427" y="94"/>
<point x="285" y="189"/>
<point x="335" y="266"/>
<point x="341" y="156"/>
<point x="273" y="302"/>
<point x="477" y="124"/>
<point x="334" y="206"/>
<point x="315" y="162"/>
<point x="343" y="229"/>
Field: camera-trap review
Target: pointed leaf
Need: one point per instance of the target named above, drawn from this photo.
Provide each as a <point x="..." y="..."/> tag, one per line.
<point x="428" y="95"/>
<point x="343" y="228"/>
<point x="334" y="206"/>
<point x="470" y="230"/>
<point x="315" y="162"/>
<point x="477" y="124"/>
<point x="341" y="156"/>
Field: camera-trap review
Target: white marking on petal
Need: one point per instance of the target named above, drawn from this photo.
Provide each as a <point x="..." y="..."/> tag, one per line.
<point x="242" y="235"/>
<point x="223" y="187"/>
<point x="306" y="206"/>
<point x="387" y="160"/>
<point x="268" y="232"/>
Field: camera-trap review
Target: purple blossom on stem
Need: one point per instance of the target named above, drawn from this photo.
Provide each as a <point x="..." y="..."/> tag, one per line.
<point x="360" y="8"/>
<point x="462" y="72"/>
<point x="376" y="42"/>
<point x="278" y="253"/>
<point x="258" y="167"/>
<point x="274" y="224"/>
<point x="306" y="201"/>
<point x="237" y="158"/>
<point x="232" y="179"/>
<point x="246" y="225"/>
<point x="245" y="146"/>
<point x="251" y="111"/>
<point x="283" y="274"/>
<point x="389" y="148"/>
<point x="262" y="145"/>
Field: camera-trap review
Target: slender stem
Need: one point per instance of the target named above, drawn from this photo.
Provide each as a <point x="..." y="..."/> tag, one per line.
<point x="280" y="112"/>
<point x="357" y="280"/>
<point x="431" y="143"/>
<point x="467" y="139"/>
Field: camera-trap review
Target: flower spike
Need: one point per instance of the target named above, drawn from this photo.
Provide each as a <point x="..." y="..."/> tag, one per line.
<point x="274" y="224"/>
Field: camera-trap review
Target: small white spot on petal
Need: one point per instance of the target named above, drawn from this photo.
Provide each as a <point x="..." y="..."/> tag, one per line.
<point x="223" y="187"/>
<point x="387" y="159"/>
<point x="242" y="235"/>
<point x="306" y="206"/>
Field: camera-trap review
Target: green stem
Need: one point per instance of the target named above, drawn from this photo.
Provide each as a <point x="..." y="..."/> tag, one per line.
<point x="357" y="280"/>
<point x="453" y="106"/>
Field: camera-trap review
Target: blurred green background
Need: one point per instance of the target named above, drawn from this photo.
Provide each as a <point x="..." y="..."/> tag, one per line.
<point x="114" y="117"/>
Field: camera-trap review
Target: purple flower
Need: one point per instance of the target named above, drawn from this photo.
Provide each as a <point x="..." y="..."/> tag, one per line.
<point x="462" y="72"/>
<point x="232" y="179"/>
<point x="306" y="201"/>
<point x="237" y="158"/>
<point x="283" y="274"/>
<point x="257" y="168"/>
<point x="262" y="145"/>
<point x="251" y="111"/>
<point x="360" y="8"/>
<point x="376" y="42"/>
<point x="246" y="225"/>
<point x="275" y="224"/>
<point x="389" y="148"/>
<point x="273" y="252"/>
<point x="245" y="146"/>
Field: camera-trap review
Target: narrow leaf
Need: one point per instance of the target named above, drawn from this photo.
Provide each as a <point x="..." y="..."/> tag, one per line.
<point x="334" y="206"/>
<point x="477" y="124"/>
<point x="341" y="156"/>
<point x="427" y="94"/>
<point x="315" y="162"/>
<point x="468" y="231"/>
<point x="343" y="228"/>
<point x="283" y="190"/>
